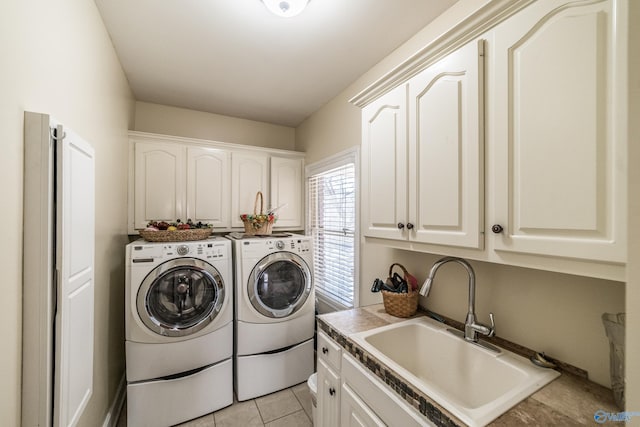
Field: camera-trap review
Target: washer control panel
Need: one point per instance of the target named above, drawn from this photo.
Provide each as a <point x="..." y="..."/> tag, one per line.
<point x="157" y="252"/>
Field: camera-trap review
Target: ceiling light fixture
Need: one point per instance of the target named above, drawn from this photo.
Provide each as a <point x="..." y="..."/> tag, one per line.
<point x="286" y="8"/>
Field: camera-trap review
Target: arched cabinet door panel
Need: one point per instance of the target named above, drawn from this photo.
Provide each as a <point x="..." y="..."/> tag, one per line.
<point x="208" y="186"/>
<point x="384" y="166"/>
<point x="446" y="174"/>
<point x="159" y="183"/>
<point x="558" y="124"/>
<point x="250" y="174"/>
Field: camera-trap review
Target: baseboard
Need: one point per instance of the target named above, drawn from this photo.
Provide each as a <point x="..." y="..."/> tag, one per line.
<point x="111" y="420"/>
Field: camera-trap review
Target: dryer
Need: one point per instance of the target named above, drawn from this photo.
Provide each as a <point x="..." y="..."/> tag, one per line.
<point x="275" y="312"/>
<point x="178" y="329"/>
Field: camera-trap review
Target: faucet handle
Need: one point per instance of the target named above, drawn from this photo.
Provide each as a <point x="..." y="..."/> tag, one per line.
<point x="492" y="329"/>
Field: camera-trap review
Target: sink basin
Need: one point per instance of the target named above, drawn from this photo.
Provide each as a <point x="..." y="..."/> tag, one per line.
<point x="474" y="384"/>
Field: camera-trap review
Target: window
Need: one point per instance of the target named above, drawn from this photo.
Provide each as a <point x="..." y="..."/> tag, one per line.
<point x="332" y="202"/>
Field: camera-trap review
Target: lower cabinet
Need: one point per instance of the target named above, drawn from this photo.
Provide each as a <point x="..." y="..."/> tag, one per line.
<point x="367" y="401"/>
<point x="328" y="395"/>
<point x="354" y="412"/>
<point x="349" y="395"/>
<point x="329" y="360"/>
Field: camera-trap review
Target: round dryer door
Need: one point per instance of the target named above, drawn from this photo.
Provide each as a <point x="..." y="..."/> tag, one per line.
<point x="279" y="284"/>
<point x="180" y="297"/>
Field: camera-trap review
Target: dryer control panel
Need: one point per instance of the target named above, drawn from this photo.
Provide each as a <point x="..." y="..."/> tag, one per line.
<point x="252" y="248"/>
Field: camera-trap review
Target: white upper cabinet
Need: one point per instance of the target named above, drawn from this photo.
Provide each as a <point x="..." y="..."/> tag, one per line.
<point x="512" y="149"/>
<point x="558" y="127"/>
<point x="208" y="186"/>
<point x="384" y="166"/>
<point x="425" y="184"/>
<point x="445" y="150"/>
<point x="159" y="183"/>
<point x="287" y="191"/>
<point x="249" y="174"/>
<point x="213" y="182"/>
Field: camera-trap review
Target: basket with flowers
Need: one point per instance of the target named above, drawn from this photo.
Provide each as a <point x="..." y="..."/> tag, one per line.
<point x="258" y="223"/>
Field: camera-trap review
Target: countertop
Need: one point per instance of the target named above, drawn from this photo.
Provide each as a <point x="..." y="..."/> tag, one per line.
<point x="569" y="400"/>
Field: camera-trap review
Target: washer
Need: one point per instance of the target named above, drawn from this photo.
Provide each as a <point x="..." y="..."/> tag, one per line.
<point x="275" y="312"/>
<point x="179" y="330"/>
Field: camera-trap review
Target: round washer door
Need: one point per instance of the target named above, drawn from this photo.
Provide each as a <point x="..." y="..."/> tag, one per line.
<point x="180" y="297"/>
<point x="279" y="284"/>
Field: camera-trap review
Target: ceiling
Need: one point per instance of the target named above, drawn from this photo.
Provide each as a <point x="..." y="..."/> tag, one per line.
<point x="233" y="57"/>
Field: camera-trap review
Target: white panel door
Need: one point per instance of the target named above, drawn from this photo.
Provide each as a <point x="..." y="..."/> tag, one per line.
<point x="354" y="412"/>
<point x="445" y="139"/>
<point x="287" y="191"/>
<point x="249" y="174"/>
<point x="208" y="186"/>
<point x="75" y="235"/>
<point x="384" y="166"/>
<point x="159" y="183"/>
<point x="559" y="129"/>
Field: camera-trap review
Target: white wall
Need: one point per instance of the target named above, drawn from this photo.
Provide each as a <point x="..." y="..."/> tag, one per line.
<point x="58" y="59"/>
<point x="167" y="120"/>
<point x="551" y="312"/>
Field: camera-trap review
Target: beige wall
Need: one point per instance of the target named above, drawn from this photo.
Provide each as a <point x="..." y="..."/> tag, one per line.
<point x="167" y="120"/>
<point x="58" y="59"/>
<point x="551" y="312"/>
<point x="633" y="275"/>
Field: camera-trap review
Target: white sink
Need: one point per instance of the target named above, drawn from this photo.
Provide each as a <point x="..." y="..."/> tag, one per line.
<point x="474" y="384"/>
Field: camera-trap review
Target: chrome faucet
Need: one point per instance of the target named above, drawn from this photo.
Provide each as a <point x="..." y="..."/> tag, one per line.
<point x="471" y="327"/>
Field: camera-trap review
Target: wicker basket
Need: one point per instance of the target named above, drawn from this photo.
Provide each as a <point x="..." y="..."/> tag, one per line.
<point x="258" y="224"/>
<point x="400" y="305"/>
<point x="176" y="235"/>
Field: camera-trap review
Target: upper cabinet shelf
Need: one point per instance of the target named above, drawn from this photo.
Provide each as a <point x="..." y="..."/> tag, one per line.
<point x="181" y="178"/>
<point x="511" y="147"/>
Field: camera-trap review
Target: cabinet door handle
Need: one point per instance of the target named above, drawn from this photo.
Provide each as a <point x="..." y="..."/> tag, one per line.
<point x="332" y="391"/>
<point x="409" y="226"/>
<point x="325" y="350"/>
<point x="400" y="226"/>
<point x="497" y="228"/>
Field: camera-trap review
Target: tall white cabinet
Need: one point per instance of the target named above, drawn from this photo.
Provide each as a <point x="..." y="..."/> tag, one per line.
<point x="509" y="143"/>
<point x="182" y="178"/>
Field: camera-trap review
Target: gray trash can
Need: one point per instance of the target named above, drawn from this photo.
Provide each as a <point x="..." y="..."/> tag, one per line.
<point x="614" y="326"/>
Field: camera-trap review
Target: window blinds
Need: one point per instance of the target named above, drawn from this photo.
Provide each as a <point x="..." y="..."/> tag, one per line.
<point x="332" y="222"/>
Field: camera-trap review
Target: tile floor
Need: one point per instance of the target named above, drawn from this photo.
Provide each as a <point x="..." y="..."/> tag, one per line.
<point x="286" y="408"/>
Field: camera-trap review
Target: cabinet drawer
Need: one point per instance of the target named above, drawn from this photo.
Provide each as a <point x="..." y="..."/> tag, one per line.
<point x="329" y="351"/>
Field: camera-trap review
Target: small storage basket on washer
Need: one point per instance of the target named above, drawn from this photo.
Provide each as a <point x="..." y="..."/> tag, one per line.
<point x="258" y="224"/>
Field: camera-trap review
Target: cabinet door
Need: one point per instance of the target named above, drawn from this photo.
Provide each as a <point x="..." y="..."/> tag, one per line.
<point x="208" y="186"/>
<point x="249" y="174"/>
<point x="560" y="131"/>
<point x="286" y="192"/>
<point x="384" y="166"/>
<point x="445" y="139"/>
<point x="328" y="396"/>
<point x="159" y="183"/>
<point x="354" y="412"/>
